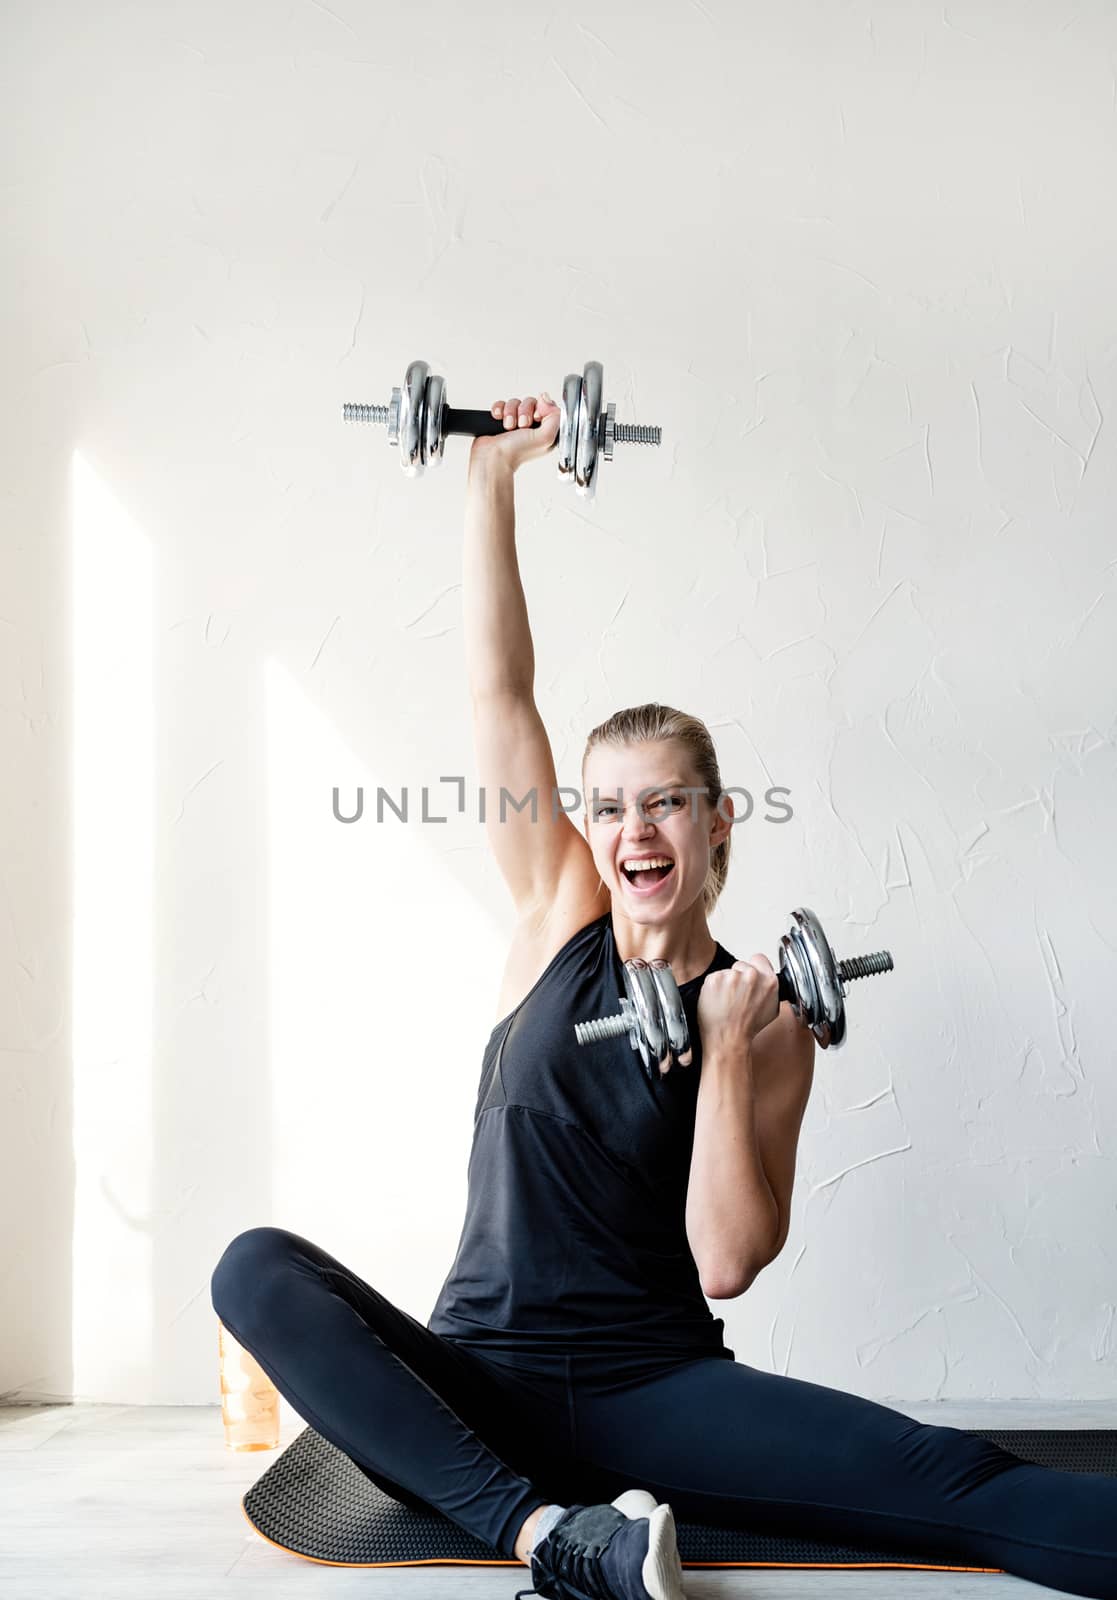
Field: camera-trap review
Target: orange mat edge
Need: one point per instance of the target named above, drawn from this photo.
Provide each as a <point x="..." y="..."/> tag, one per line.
<point x="800" y="1566"/>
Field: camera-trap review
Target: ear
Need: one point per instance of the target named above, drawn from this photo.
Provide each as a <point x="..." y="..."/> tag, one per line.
<point x="723" y="821"/>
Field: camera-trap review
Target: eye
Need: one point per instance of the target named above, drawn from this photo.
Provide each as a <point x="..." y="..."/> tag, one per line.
<point x="604" y="811"/>
<point x="670" y="801"/>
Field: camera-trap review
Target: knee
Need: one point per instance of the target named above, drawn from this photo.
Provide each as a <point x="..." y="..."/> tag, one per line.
<point x="958" y="1461"/>
<point x="237" y="1277"/>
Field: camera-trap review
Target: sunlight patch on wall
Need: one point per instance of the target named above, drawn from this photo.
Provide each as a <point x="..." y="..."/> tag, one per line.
<point x="384" y="974"/>
<point x="113" y="806"/>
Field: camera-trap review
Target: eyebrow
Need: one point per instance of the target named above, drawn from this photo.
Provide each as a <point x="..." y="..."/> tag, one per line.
<point x="653" y="788"/>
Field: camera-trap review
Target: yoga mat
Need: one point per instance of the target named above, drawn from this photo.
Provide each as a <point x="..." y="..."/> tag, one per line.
<point x="316" y="1503"/>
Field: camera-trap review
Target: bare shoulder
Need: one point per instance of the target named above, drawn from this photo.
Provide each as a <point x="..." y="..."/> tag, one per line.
<point x="542" y="931"/>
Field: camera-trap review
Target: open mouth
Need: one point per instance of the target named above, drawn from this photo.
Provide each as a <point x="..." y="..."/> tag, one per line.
<point x="645" y="879"/>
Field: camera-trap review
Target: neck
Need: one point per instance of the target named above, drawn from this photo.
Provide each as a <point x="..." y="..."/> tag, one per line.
<point x="685" y="942"/>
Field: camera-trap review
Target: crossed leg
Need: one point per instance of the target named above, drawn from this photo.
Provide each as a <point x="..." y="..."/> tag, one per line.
<point x="727" y="1444"/>
<point x="430" y="1424"/>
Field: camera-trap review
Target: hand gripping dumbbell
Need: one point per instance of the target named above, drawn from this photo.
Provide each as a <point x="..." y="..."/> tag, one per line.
<point x="419" y="421"/>
<point x="811" y="980"/>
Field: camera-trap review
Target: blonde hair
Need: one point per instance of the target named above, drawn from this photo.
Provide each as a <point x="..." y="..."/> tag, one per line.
<point x="647" y="723"/>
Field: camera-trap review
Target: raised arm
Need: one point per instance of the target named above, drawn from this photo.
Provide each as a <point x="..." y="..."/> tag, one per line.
<point x="545" y="859"/>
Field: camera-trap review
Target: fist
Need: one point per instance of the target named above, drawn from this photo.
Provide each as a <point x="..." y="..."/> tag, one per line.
<point x="520" y="442"/>
<point x="735" y="1003"/>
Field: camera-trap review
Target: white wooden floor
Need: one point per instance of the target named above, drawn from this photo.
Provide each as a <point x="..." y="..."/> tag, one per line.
<point x="123" y="1502"/>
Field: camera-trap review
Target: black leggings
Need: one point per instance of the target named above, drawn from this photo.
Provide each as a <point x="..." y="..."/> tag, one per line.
<point x="486" y="1439"/>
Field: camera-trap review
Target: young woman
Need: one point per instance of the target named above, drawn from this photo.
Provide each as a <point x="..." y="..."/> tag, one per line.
<point x="572" y="1389"/>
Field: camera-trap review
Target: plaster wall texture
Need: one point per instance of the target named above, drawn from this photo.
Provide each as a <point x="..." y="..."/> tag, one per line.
<point x="858" y="262"/>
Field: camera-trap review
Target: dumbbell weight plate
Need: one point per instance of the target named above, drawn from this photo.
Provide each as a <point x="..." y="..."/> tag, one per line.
<point x="566" y="444"/>
<point x="589" y="421"/>
<point x="659" y="1028"/>
<point x="803" y="997"/>
<point x="647" y="1034"/>
<point x="829" y="985"/>
<point x="432" y="420"/>
<point x="412" y="419"/>
<point x="806" y="951"/>
<point x="674" y="1017"/>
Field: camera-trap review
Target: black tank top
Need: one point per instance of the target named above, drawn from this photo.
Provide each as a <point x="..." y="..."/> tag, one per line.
<point x="574" y="1236"/>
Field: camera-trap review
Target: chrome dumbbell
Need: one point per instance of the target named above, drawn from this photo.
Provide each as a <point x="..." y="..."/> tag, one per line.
<point x="419" y="421"/>
<point x="811" y="980"/>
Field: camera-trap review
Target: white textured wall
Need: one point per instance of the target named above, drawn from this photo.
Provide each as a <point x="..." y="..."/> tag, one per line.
<point x="859" y="262"/>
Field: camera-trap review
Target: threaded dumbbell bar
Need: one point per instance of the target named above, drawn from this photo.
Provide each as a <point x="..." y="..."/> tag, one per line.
<point x="810" y="979"/>
<point x="419" y="421"/>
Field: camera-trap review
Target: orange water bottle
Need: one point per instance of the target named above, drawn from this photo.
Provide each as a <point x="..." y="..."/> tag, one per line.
<point x="249" y="1399"/>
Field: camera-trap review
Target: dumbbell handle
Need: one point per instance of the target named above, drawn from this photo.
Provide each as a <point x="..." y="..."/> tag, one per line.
<point x="480" y="424"/>
<point x="613" y="1027"/>
<point x="477" y="424"/>
<point x="810" y="979"/>
<point x="855" y="967"/>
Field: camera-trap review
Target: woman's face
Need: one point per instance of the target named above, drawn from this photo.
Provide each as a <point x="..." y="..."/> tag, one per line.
<point x="638" y="805"/>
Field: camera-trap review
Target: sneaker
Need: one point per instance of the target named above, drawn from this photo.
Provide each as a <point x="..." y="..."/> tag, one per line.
<point x="622" y="1551"/>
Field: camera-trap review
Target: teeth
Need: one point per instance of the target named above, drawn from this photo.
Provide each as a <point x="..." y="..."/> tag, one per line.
<point x="642" y="866"/>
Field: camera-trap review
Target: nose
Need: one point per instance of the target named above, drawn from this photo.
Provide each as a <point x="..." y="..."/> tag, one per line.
<point x="636" y="823"/>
